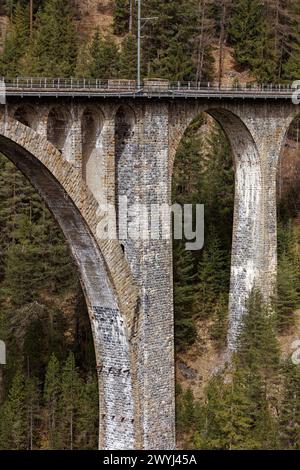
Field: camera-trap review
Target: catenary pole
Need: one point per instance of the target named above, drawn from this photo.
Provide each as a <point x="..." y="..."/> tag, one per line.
<point x="139" y="44"/>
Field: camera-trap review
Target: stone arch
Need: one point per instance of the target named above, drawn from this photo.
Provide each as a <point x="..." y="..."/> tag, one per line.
<point x="248" y="243"/>
<point x="100" y="262"/>
<point x="27" y="116"/>
<point x="58" y="123"/>
<point x="93" y="166"/>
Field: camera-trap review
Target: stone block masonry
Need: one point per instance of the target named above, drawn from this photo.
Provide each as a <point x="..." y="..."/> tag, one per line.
<point x="83" y="153"/>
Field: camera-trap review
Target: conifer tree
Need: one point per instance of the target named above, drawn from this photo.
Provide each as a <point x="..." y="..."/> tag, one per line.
<point x="168" y="47"/>
<point x="185" y="291"/>
<point x="53" y="51"/>
<point x="104" y="57"/>
<point x="52" y="394"/>
<point x="16" y="42"/>
<point x="291" y="66"/>
<point x="13" y="428"/>
<point x="84" y="59"/>
<point x="289" y="420"/>
<point x="204" y="36"/>
<point x="287" y="297"/>
<point x="128" y="58"/>
<point x="213" y="274"/>
<point x="122" y="16"/>
<point x="88" y="415"/>
<point x="69" y="402"/>
<point x="245" y="30"/>
<point x="32" y="402"/>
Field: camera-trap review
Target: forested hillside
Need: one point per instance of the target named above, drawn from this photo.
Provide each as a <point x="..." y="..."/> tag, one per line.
<point x="48" y="392"/>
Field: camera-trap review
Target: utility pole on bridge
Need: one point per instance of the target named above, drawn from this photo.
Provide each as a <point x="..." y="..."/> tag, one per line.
<point x="139" y="44"/>
<point x="31" y="17"/>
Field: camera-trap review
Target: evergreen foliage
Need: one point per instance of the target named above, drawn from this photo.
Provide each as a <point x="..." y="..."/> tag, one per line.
<point x="104" y="57"/>
<point x="53" y="49"/>
<point x="49" y="398"/>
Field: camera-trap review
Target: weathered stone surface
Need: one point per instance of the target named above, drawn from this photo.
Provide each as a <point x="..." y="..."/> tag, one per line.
<point x="101" y="149"/>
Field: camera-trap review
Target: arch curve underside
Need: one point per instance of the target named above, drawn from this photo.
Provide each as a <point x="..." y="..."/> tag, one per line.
<point x="247" y="238"/>
<point x="108" y="327"/>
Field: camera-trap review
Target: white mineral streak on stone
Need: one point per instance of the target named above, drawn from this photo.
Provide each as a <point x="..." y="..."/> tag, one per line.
<point x="119" y="408"/>
<point x="246" y="247"/>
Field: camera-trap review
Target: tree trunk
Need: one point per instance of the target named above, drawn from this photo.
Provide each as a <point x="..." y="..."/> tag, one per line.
<point x="131" y="16"/>
<point x="221" y="42"/>
<point x="1" y="382"/>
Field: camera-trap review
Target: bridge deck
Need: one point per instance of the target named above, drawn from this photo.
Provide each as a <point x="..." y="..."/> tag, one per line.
<point x="40" y="87"/>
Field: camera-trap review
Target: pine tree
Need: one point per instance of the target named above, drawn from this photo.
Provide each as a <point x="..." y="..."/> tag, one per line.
<point x="246" y="28"/>
<point x="69" y="402"/>
<point x="220" y="326"/>
<point x="204" y="37"/>
<point x="53" y="51"/>
<point x="88" y="415"/>
<point x="169" y="40"/>
<point x="52" y="394"/>
<point x="105" y="57"/>
<point x="13" y="429"/>
<point x="185" y="291"/>
<point x="128" y="58"/>
<point x="289" y="419"/>
<point x="291" y="66"/>
<point x="84" y="60"/>
<point x="123" y="10"/>
<point x="287" y="297"/>
<point x="16" y="43"/>
<point x="258" y="347"/>
<point x="32" y="402"/>
<point x="213" y="275"/>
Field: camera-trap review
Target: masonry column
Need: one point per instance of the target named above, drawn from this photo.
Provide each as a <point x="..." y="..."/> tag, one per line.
<point x="268" y="125"/>
<point x="157" y="280"/>
<point x="256" y="146"/>
<point x="248" y="226"/>
<point x="142" y="175"/>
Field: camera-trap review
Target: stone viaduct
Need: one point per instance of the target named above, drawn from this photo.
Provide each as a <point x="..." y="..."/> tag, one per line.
<point x="81" y="148"/>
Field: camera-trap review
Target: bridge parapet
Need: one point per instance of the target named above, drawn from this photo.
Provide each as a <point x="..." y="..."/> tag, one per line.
<point x="96" y="141"/>
<point x="34" y="86"/>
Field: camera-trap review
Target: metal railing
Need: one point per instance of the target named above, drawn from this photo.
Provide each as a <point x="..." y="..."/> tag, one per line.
<point x="161" y="87"/>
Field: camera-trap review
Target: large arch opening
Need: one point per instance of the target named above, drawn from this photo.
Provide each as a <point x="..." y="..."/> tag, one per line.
<point x="107" y="324"/>
<point x="27" y="116"/>
<point x="203" y="174"/>
<point x="218" y="162"/>
<point x="45" y="323"/>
